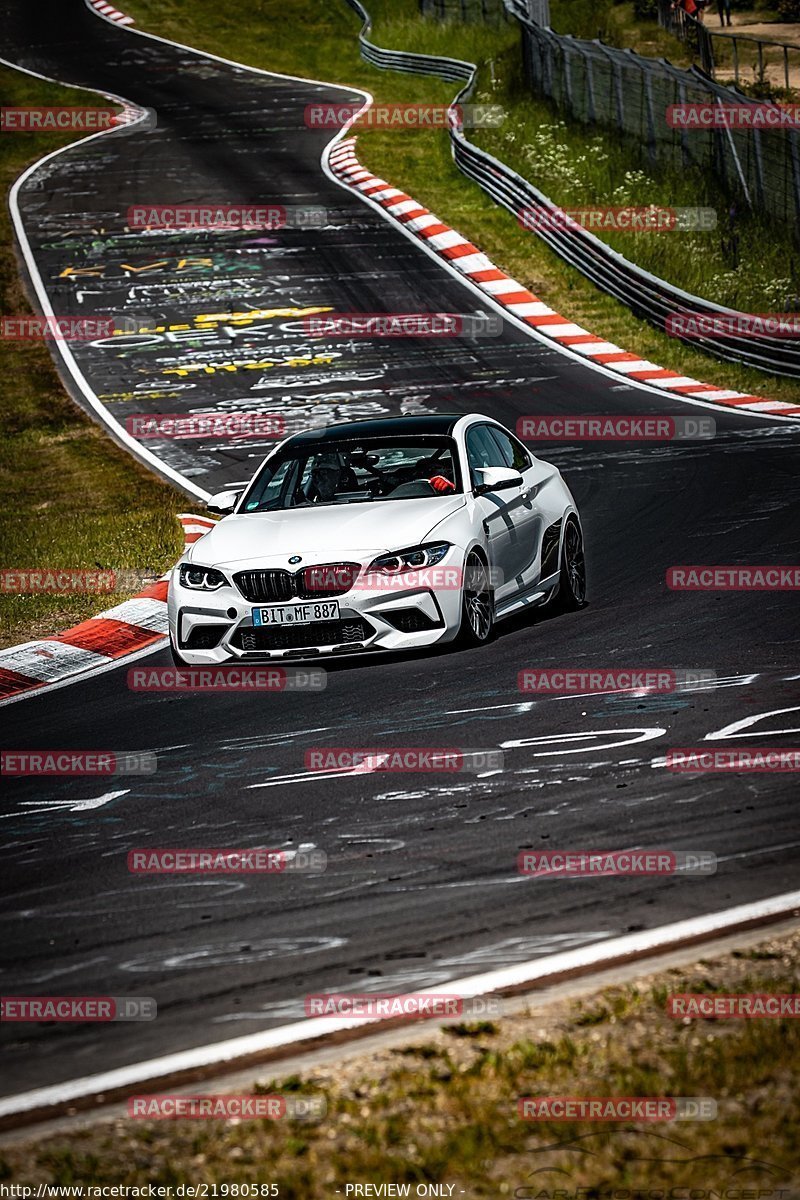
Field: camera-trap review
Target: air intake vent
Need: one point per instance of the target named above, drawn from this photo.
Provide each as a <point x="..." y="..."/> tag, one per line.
<point x="205" y="637"/>
<point x="292" y="637"/>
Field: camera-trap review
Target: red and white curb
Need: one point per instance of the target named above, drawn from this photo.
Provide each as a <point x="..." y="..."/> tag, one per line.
<point x="129" y="628"/>
<point x="467" y="259"/>
<point x="110" y="13"/>
<point x="194" y="528"/>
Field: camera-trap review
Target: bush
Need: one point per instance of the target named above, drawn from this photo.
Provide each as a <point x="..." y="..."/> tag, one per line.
<point x="645" y="10"/>
<point x="789" y="10"/>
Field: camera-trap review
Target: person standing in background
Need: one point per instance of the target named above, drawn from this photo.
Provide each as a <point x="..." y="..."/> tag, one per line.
<point x="724" y="10"/>
<point x="687" y="6"/>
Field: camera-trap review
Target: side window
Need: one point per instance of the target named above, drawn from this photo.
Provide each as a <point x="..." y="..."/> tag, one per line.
<point x="514" y="453"/>
<point x="482" y="450"/>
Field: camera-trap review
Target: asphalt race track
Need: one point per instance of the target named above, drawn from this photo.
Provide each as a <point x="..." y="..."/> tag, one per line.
<point x="421" y="885"/>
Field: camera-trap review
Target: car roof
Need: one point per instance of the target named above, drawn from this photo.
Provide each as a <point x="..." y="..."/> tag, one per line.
<point x="377" y="427"/>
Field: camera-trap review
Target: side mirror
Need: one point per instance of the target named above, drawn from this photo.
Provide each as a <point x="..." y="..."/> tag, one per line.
<point x="496" y="479"/>
<point x="223" y="502"/>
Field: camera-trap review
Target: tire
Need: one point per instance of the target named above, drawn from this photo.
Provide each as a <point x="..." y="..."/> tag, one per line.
<point x="477" y="604"/>
<point x="570" y="594"/>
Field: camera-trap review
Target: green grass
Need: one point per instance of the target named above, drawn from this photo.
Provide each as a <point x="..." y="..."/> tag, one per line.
<point x="444" y="1109"/>
<point x="72" y="498"/>
<point x="577" y="169"/>
<point x="320" y="42"/>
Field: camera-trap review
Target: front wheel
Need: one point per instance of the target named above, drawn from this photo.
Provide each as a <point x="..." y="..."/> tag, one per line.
<point x="570" y="593"/>
<point x="477" y="604"/>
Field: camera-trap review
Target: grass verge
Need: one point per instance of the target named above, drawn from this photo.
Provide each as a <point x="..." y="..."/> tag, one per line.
<point x="442" y="1109"/>
<point x="320" y="42"/>
<point x="56" y="465"/>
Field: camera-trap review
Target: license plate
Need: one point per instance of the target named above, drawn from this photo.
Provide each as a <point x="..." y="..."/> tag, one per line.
<point x="297" y="614"/>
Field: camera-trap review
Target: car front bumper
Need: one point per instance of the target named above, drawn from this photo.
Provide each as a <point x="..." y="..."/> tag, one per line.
<point x="208" y="628"/>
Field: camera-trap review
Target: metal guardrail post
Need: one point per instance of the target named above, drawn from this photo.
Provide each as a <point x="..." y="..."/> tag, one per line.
<point x="736" y="161"/>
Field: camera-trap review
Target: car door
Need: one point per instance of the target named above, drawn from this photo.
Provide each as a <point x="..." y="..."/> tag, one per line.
<point x="500" y="513"/>
<point x="527" y="522"/>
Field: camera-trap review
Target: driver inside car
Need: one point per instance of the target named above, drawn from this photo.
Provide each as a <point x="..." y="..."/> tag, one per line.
<point x="436" y="473"/>
<point x="324" y="480"/>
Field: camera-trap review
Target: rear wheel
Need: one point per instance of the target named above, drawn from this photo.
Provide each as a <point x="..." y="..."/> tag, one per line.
<point x="571" y="593"/>
<point x="477" y="603"/>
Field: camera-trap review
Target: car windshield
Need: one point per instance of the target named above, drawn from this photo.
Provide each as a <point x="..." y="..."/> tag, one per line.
<point x="355" y="472"/>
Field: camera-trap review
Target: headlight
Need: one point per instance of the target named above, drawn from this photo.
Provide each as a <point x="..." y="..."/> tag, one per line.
<point x="412" y="559"/>
<point x="201" y="579"/>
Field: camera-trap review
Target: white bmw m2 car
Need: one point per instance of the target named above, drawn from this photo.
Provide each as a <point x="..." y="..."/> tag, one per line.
<point x="388" y="534"/>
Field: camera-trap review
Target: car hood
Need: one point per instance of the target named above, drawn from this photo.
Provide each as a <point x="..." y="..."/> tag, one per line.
<point x="324" y="534"/>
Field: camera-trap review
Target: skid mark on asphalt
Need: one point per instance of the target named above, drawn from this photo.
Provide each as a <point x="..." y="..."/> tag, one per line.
<point x="501" y="954"/>
<point x="218" y="954"/>
<point x="45" y="976"/>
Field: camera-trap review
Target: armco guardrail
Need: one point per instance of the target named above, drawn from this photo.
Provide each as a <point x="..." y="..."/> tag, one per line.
<point x="649" y="298"/>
